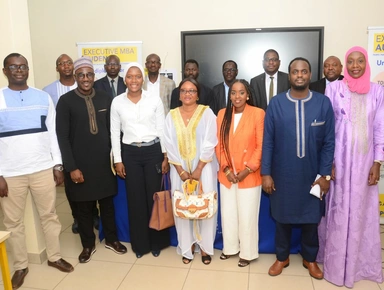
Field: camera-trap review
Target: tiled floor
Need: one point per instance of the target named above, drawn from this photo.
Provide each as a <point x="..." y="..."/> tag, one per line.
<point x="109" y="271"/>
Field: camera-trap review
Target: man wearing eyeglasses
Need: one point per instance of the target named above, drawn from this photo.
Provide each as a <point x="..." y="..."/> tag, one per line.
<point x="157" y="84"/>
<point x="220" y="91"/>
<point x="66" y="81"/>
<point x="82" y="125"/>
<point x="112" y="83"/>
<point x="30" y="159"/>
<point x="191" y="69"/>
<point x="271" y="82"/>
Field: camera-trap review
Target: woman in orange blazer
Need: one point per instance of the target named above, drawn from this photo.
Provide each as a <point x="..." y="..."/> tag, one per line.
<point x="240" y="137"/>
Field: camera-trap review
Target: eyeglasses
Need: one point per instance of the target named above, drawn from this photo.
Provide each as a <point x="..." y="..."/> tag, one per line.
<point x="229" y="70"/>
<point x="89" y="75"/>
<point x="63" y="63"/>
<point x="112" y="64"/>
<point x="273" y="59"/>
<point x="189" y="92"/>
<point x="15" y="67"/>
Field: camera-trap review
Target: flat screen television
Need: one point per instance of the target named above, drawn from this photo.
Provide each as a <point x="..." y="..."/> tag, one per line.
<point x="211" y="48"/>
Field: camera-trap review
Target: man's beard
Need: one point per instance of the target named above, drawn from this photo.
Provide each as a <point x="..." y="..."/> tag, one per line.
<point x="299" y="88"/>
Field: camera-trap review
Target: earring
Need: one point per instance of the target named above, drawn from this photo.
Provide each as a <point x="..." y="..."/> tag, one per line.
<point x="247" y="99"/>
<point x="197" y="99"/>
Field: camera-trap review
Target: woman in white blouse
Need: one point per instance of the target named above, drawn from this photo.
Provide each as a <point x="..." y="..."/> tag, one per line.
<point x="140" y="157"/>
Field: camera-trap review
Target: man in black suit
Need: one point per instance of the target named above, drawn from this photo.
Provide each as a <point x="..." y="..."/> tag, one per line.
<point x="191" y="69"/>
<point x="270" y="83"/>
<point x="112" y="83"/>
<point x="220" y="91"/>
<point x="332" y="71"/>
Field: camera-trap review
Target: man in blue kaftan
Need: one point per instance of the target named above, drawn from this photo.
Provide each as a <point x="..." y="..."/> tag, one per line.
<point x="299" y="141"/>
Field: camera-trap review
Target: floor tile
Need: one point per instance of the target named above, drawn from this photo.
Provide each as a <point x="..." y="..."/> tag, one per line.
<point x="210" y="280"/>
<point x="144" y="277"/>
<point x="95" y="275"/>
<point x="280" y="282"/>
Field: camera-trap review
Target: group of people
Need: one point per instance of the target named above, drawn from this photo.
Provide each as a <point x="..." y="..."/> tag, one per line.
<point x="279" y="133"/>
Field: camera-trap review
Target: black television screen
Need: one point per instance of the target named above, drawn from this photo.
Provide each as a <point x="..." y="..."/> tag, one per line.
<point x="247" y="46"/>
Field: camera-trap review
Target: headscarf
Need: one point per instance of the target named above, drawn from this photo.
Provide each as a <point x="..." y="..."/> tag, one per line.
<point x="134" y="64"/>
<point x="361" y="85"/>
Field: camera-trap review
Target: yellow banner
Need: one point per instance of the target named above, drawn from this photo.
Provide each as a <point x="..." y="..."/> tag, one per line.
<point x="378" y="43"/>
<point x="99" y="54"/>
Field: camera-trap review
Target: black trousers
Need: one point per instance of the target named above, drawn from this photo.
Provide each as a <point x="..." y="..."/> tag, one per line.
<point x="85" y="220"/>
<point x="73" y="207"/>
<point x="142" y="181"/>
<point x="309" y="241"/>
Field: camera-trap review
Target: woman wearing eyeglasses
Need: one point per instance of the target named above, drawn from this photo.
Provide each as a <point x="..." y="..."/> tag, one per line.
<point x="190" y="139"/>
<point x="140" y="157"/>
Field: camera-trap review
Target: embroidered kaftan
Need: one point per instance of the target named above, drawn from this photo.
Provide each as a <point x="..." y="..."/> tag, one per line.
<point x="196" y="141"/>
<point x="350" y="235"/>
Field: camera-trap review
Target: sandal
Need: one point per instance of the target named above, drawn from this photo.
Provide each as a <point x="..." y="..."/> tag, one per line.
<point x="206" y="259"/>
<point x="243" y="263"/>
<point x="186" y="261"/>
<point x="224" y="256"/>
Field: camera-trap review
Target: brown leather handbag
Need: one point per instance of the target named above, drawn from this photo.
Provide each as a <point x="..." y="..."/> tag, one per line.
<point x="162" y="215"/>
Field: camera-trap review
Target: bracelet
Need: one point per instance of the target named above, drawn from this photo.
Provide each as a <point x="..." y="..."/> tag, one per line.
<point x="227" y="172"/>
<point x="249" y="169"/>
<point x="181" y="173"/>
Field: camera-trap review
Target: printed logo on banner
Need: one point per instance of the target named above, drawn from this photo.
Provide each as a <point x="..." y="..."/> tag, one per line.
<point x="378" y="43"/>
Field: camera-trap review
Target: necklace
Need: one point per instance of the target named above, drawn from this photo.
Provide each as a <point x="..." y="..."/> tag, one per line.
<point x="188" y="114"/>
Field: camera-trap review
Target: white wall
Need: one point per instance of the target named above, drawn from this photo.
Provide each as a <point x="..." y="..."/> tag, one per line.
<point x="56" y="25"/>
<point x="15" y="34"/>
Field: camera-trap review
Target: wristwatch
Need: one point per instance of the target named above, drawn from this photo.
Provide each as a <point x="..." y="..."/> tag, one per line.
<point x="58" y="167"/>
<point x="327" y="177"/>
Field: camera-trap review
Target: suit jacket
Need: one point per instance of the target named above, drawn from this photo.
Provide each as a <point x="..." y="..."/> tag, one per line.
<point x="319" y="86"/>
<point x="258" y="85"/>
<point x="205" y="97"/>
<point x="245" y="146"/>
<point x="166" y="87"/>
<point x="220" y="97"/>
<point x="103" y="84"/>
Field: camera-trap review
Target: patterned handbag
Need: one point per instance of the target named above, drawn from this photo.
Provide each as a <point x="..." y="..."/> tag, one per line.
<point x="192" y="205"/>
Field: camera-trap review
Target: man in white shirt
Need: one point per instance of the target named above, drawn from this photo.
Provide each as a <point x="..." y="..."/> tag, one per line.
<point x="157" y="84"/>
<point x="271" y="82"/>
<point x="66" y="81"/>
<point x="30" y="159"/>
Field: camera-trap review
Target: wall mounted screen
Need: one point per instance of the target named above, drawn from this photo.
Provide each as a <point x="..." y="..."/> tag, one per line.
<point x="247" y="46"/>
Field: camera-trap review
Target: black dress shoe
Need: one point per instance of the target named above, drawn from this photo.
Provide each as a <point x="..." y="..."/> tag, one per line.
<point x="18" y="278"/>
<point x="156" y="253"/>
<point x="117" y="247"/>
<point x="61" y="265"/>
<point x="138" y="255"/>
<point x="86" y="254"/>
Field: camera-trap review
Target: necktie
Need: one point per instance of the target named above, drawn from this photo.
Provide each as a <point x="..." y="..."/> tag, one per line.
<point x="113" y="88"/>
<point x="271" y="89"/>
